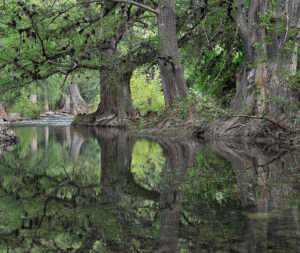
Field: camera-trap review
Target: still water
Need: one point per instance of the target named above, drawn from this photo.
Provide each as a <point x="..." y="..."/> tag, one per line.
<point x="67" y="189"/>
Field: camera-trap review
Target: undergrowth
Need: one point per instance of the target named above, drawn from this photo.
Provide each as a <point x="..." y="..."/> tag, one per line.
<point x="196" y="110"/>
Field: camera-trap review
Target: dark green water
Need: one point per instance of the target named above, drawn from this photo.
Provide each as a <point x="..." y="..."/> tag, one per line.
<point x="65" y="189"/>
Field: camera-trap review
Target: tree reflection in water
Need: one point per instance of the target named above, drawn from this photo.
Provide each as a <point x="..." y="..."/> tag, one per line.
<point x="66" y="189"/>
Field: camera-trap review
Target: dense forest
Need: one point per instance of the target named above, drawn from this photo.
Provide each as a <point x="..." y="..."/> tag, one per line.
<point x="195" y="126"/>
<point x="116" y="61"/>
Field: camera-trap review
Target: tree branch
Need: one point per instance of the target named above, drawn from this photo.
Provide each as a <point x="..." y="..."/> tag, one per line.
<point x="140" y="5"/>
<point x="241" y="19"/>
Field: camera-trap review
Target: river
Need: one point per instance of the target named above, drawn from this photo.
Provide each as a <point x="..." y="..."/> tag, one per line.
<point x="71" y="189"/>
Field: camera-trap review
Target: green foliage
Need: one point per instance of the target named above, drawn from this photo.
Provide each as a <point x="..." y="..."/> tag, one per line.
<point x="213" y="177"/>
<point x="206" y="106"/>
<point x="25" y="107"/>
<point x="146" y="91"/>
<point x="147" y="163"/>
<point x="52" y="90"/>
<point x="212" y="76"/>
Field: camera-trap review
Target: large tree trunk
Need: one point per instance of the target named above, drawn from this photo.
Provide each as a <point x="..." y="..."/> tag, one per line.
<point x="115" y="94"/>
<point x="270" y="58"/>
<point x="171" y="70"/>
<point x="79" y="106"/>
<point x="73" y="102"/>
<point x="66" y="103"/>
<point x="116" y="106"/>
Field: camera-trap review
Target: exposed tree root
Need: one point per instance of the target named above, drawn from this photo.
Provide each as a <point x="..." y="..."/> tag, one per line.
<point x="264" y="118"/>
<point x="245" y="128"/>
<point x="96" y="120"/>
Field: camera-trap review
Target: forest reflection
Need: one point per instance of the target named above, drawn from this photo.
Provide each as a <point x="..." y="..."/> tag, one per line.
<point x="65" y="189"/>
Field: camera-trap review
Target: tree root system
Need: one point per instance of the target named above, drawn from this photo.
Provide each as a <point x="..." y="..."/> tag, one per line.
<point x="95" y="120"/>
<point x="248" y="129"/>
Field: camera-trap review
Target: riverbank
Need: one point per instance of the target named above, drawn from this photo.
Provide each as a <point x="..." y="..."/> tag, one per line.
<point x="204" y="121"/>
<point x="234" y="128"/>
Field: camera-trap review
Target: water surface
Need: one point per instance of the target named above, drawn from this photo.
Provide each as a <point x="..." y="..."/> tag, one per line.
<point x="67" y="189"/>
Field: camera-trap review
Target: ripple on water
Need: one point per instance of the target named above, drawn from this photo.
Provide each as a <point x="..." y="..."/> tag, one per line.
<point x="54" y="121"/>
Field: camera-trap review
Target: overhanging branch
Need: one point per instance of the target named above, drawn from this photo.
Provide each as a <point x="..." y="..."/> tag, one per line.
<point x="140" y="5"/>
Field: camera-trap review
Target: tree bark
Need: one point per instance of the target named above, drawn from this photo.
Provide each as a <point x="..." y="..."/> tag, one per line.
<point x="78" y="106"/>
<point x="171" y="70"/>
<point x="73" y="102"/>
<point x="115" y="94"/>
<point x="270" y="57"/>
<point x="4" y="115"/>
<point x="66" y="103"/>
<point x="46" y="103"/>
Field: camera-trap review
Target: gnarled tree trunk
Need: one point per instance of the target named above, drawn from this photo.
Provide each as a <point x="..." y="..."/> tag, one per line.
<point x="270" y="36"/>
<point x="115" y="94"/>
<point x="79" y="106"/>
<point x="73" y="102"/>
<point x="116" y="106"/>
<point x="171" y="70"/>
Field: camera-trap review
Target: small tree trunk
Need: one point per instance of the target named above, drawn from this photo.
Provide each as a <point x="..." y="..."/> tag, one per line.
<point x="3" y="113"/>
<point x="171" y="70"/>
<point x="46" y="103"/>
<point x="33" y="98"/>
<point x="270" y="58"/>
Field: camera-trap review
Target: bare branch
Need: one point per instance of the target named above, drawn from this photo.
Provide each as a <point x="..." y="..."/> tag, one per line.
<point x="140" y="5"/>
